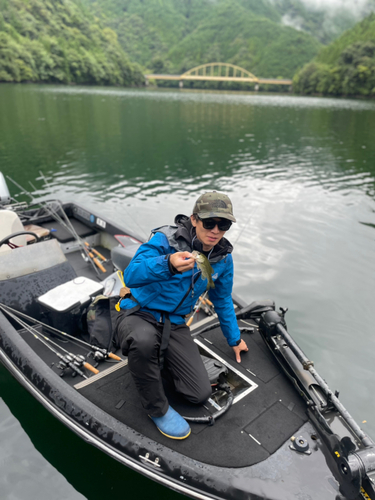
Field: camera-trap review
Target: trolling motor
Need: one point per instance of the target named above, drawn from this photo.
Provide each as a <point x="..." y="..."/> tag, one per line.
<point x="350" y="465"/>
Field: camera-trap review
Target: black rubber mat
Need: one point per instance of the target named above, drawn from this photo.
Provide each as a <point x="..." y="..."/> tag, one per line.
<point x="277" y="422"/>
<point x="63" y="235"/>
<point x="258" y="359"/>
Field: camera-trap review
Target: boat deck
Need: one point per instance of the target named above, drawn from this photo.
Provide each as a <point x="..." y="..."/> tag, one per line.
<point x="255" y="426"/>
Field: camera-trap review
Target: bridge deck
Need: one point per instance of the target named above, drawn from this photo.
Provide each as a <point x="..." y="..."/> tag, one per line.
<point x="219" y="79"/>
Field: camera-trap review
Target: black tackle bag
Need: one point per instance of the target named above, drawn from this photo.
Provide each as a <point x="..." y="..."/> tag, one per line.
<point x="101" y="319"/>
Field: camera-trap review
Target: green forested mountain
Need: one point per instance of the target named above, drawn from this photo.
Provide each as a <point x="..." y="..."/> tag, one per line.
<point x="361" y="32"/>
<point x="345" y="67"/>
<point x="60" y="41"/>
<point x="176" y="35"/>
<point x="234" y="34"/>
<point x="149" y="30"/>
<point x="109" y="42"/>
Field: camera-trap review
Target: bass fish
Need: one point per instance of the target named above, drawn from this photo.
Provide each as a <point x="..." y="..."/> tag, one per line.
<point x="205" y="267"/>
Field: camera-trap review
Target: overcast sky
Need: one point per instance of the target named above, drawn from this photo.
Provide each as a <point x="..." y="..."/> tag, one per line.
<point x="353" y="5"/>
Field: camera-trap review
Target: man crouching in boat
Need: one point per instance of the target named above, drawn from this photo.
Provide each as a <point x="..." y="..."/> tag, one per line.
<point x="165" y="284"/>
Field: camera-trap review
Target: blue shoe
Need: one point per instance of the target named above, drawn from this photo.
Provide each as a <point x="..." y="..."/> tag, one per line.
<point x="172" y="425"/>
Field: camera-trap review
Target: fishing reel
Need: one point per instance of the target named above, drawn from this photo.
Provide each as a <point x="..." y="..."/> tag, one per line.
<point x="98" y="354"/>
<point x="73" y="362"/>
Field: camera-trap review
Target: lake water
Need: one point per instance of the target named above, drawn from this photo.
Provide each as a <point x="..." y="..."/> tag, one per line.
<point x="301" y="175"/>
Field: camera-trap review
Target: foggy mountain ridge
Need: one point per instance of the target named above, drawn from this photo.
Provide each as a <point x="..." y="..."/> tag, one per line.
<point x="323" y="19"/>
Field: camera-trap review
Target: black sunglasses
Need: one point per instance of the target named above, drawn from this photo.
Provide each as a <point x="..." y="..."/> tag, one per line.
<point x="222" y="224"/>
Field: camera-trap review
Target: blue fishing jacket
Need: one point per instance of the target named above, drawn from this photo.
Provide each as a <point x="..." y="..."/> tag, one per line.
<point x="158" y="290"/>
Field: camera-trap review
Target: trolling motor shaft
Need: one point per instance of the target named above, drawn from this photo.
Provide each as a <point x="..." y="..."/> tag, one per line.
<point x="349" y="464"/>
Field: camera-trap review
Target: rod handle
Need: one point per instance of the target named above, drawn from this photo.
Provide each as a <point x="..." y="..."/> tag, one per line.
<point x="95" y="260"/>
<point x="98" y="254"/>
<point x="114" y="356"/>
<point x="90" y="368"/>
<point x="95" y="251"/>
<point x="206" y="302"/>
<point x="190" y="320"/>
<point x="100" y="266"/>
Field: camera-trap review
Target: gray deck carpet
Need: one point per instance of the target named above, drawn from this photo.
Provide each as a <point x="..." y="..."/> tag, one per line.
<point x="271" y="413"/>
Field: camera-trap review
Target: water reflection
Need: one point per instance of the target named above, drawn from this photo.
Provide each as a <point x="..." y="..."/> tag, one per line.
<point x="24" y="473"/>
<point x="220" y="97"/>
<point x="129" y="146"/>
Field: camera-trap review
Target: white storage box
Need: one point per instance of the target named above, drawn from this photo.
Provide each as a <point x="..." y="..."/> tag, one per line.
<point x="62" y="306"/>
<point x="71" y="294"/>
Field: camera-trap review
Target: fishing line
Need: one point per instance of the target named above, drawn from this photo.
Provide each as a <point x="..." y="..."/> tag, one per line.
<point x="58" y="219"/>
<point x="69" y="359"/>
<point x="102" y="353"/>
<point x="246" y="223"/>
<point x="70" y="228"/>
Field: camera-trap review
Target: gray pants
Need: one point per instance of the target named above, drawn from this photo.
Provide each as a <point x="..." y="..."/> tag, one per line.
<point x="140" y="341"/>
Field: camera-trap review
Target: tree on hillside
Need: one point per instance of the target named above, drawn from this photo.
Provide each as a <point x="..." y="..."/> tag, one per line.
<point x="60" y="42"/>
<point x="354" y="74"/>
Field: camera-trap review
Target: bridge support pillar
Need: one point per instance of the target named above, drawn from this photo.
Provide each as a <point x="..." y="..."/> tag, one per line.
<point x="256" y="87"/>
<point x="181" y="84"/>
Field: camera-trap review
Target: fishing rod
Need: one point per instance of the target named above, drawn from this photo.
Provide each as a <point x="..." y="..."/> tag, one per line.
<point x="69" y="360"/>
<point x="87" y="254"/>
<point x="66" y="223"/>
<point x="58" y="219"/>
<point x="100" y="353"/>
<point x="207" y="305"/>
<point x="202" y="302"/>
<point x="90" y="250"/>
<point x="197" y="307"/>
<point x="78" y="359"/>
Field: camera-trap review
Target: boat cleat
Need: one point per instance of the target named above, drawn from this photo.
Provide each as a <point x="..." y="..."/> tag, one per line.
<point x="146" y="458"/>
<point x="300" y="444"/>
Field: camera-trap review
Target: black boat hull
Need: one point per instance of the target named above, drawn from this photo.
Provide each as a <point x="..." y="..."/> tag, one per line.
<point x="283" y="476"/>
<point x="232" y="463"/>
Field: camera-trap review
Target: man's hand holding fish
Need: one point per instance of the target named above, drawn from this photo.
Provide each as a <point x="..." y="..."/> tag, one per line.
<point x="182" y="261"/>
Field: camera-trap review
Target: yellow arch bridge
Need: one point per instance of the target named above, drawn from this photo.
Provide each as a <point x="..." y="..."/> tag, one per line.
<point x="219" y="72"/>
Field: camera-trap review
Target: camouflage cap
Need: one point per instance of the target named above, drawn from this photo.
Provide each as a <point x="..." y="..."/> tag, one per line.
<point x="214" y="204"/>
